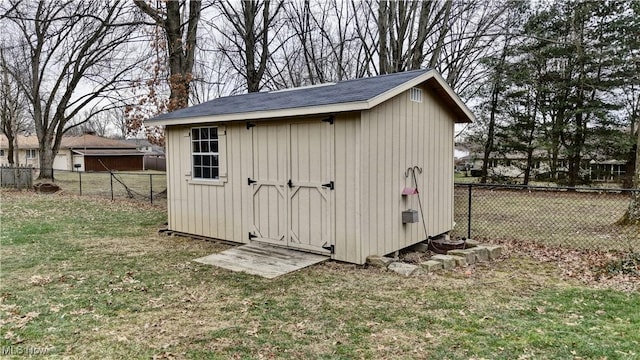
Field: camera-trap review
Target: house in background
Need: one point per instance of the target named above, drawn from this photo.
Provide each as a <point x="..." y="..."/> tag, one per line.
<point x="154" y="158"/>
<point x="319" y="168"/>
<point x="512" y="165"/>
<point x="27" y="150"/>
<point x="86" y="152"/>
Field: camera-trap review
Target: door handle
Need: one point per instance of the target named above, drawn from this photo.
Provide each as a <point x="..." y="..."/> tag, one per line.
<point x="329" y="185"/>
<point x="290" y="183"/>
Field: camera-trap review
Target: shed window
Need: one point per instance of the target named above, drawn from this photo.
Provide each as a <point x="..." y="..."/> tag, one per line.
<point x="31" y="153"/>
<point x="416" y="95"/>
<point x="204" y="153"/>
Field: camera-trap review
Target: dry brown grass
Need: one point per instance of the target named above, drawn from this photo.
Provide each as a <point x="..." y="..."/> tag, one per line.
<point x="570" y="219"/>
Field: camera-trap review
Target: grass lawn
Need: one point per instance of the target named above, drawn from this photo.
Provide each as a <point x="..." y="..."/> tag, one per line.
<point x="90" y="278"/>
<point x="140" y="184"/>
<point x="578" y="220"/>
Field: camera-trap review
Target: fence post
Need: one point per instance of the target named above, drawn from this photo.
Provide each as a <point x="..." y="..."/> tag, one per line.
<point x="469" y="214"/>
<point x="80" y="180"/>
<point x="151" y="188"/>
<point x="111" y="181"/>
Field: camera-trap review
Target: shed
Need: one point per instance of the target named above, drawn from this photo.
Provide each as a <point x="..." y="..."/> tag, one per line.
<point x="318" y="168"/>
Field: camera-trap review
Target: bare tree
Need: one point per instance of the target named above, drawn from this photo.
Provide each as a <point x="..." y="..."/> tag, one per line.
<point x="327" y="46"/>
<point x="12" y="113"/>
<point x="474" y="28"/>
<point x="74" y="55"/>
<point x="446" y="35"/>
<point x="249" y="43"/>
<point x="102" y="124"/>
<point x="181" y="38"/>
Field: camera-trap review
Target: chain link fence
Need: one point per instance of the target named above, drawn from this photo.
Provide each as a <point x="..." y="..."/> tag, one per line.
<point x="568" y="217"/>
<point x="150" y="186"/>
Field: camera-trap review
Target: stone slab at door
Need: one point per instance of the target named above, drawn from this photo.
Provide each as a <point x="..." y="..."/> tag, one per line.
<point x="291" y="196"/>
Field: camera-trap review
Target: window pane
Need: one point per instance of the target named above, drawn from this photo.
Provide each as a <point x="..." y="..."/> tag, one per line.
<point x="204" y="145"/>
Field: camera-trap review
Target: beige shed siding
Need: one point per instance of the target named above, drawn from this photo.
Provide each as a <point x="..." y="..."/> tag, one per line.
<point x="346" y="197"/>
<point x="209" y="209"/>
<point x="394" y="136"/>
<point x="372" y="151"/>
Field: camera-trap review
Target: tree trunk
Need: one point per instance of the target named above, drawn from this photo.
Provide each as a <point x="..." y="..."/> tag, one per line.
<point x="633" y="212"/>
<point x="181" y="51"/>
<point x="13" y="151"/>
<point x="527" y="170"/>
<point x="10" y="150"/>
<point x="383" y="30"/>
<point x="46" y="164"/>
<point x="496" y="89"/>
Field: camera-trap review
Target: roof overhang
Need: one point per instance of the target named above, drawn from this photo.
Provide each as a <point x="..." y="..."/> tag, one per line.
<point x="107" y="152"/>
<point x="432" y="79"/>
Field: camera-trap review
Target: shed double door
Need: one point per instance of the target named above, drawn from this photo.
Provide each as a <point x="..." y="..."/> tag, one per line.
<point x="291" y="184"/>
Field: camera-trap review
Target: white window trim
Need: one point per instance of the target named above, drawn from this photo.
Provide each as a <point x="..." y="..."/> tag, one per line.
<point x="222" y="163"/>
<point x="30" y="151"/>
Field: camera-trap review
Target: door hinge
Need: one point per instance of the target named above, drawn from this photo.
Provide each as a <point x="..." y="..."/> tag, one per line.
<point x="290" y="183"/>
<point x="251" y="181"/>
<point x="250" y="125"/>
<point x="252" y="236"/>
<point x="329" y="185"/>
<point x="331" y="248"/>
<point x="330" y="119"/>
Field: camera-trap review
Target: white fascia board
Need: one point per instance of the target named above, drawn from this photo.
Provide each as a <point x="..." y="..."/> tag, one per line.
<point x="470" y="116"/>
<point x="267" y="114"/>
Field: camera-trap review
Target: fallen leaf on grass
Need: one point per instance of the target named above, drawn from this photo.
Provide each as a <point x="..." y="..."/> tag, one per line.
<point x="38" y="280"/>
<point x="80" y="312"/>
<point x="22" y="321"/>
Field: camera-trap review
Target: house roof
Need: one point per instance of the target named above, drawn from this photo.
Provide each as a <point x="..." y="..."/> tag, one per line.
<point x="24" y="142"/>
<point x="108" y="152"/>
<point x="350" y="95"/>
<point x="155" y="149"/>
<point x="86" y="141"/>
<point x="138" y="142"/>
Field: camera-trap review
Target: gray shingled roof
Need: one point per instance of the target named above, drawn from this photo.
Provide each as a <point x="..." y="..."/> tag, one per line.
<point x="357" y="90"/>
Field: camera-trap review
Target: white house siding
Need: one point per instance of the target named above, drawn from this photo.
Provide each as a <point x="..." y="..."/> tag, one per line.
<point x="396" y="135"/>
<point x="62" y="161"/>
